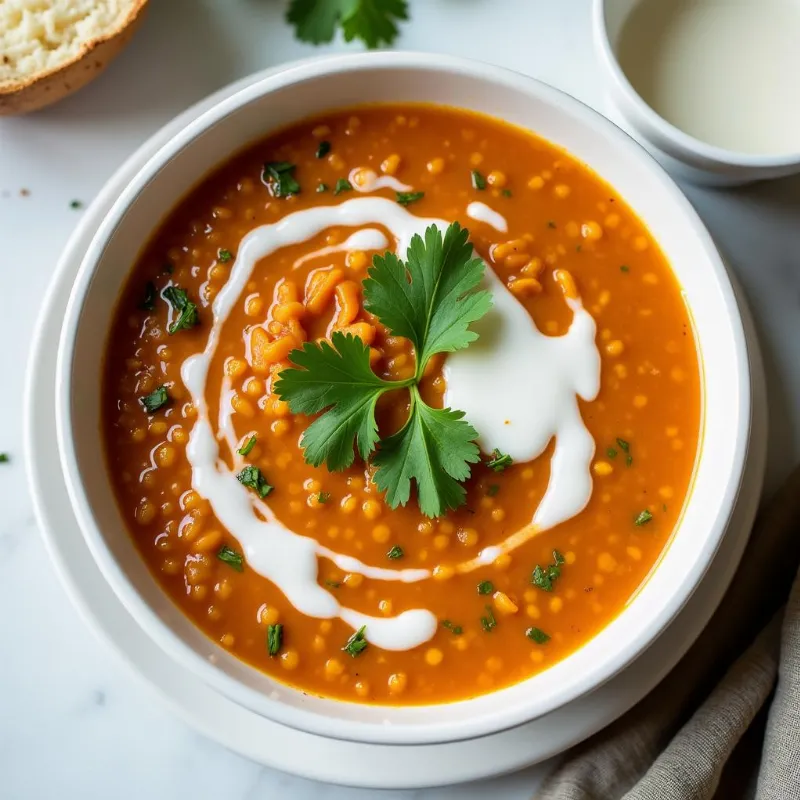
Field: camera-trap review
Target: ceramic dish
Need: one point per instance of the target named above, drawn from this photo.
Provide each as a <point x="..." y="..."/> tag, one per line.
<point x="683" y="155"/>
<point x="254" y="736"/>
<point x="294" y="94"/>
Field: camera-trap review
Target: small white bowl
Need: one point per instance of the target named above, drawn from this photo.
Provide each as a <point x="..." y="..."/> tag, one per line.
<point x="683" y="155"/>
<point x="311" y="88"/>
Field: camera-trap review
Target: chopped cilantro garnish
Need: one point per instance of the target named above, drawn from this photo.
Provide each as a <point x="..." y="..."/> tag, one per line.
<point x="551" y="224"/>
<point x="322" y="187"/>
<point x="333" y="584"/>
<point x="323" y="149"/>
<point x="342" y="185"/>
<point x="506" y="192"/>
<point x="4" y="458"/>
<point x="155" y="400"/>
<point x="231" y="558"/>
<point x="625" y="268"/>
<point x="245" y="449"/>
<point x="252" y="478"/>
<point x="456" y="630"/>
<point x="183" y="306"/>
<point x="323" y="497"/>
<point x="499" y="461"/>
<point x="431" y="299"/>
<point x="537" y="635"/>
<point x="274" y="638"/>
<point x="76" y="204"/>
<point x="544" y="577"/>
<point x="374" y="22"/>
<point x="407" y="198"/>
<point x="149" y="300"/>
<point x="357" y="643"/>
<point x="642" y="518"/>
<point x="626" y="448"/>
<point x="478" y="181"/>
<point x="395" y="552"/>
<point x="488" y="622"/>
<point x="279" y="176"/>
<point x="611" y="452"/>
<point x="492" y="489"/>
<point x="224" y="255"/>
<point x="485" y="587"/>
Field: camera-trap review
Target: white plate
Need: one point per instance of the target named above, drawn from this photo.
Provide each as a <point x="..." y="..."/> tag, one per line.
<point x="310" y="756"/>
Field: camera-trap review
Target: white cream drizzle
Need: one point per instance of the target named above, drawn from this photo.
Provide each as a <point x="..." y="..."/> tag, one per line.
<point x="366" y="180"/>
<point x="484" y="380"/>
<point x="480" y="212"/>
<point x="366" y="239"/>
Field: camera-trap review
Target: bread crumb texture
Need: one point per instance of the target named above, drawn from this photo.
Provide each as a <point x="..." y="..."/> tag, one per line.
<point x="40" y="36"/>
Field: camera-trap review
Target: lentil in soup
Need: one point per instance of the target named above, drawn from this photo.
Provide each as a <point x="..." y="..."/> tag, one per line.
<point x="585" y="370"/>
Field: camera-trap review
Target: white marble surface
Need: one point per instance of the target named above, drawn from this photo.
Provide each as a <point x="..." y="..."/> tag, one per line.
<point x="73" y="723"/>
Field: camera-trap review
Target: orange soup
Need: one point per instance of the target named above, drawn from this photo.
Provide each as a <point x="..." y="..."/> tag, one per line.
<point x="275" y="392"/>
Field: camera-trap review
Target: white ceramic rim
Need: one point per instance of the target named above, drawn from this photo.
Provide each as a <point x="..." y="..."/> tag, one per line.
<point x="430" y="732"/>
<point x="679" y="138"/>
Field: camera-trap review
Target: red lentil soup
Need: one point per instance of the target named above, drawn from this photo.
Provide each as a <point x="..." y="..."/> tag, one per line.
<point x="568" y="234"/>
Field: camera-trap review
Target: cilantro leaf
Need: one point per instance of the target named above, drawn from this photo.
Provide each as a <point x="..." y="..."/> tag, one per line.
<point x="336" y="376"/>
<point x="372" y="21"/>
<point x="395" y="552"/>
<point x="407" y="198"/>
<point x="274" y="638"/>
<point x="357" y="643"/>
<point x="544" y="577"/>
<point x="252" y="478"/>
<point x="231" y="557"/>
<point x="180" y="302"/>
<point x="537" y="635"/>
<point x="435" y="448"/>
<point x="342" y="185"/>
<point x="436" y="306"/>
<point x="499" y="461"/>
<point x="279" y="176"/>
<point x="245" y="449"/>
<point x="155" y="400"/>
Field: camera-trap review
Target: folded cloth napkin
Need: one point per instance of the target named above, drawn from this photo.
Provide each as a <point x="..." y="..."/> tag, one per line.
<point x="725" y="723"/>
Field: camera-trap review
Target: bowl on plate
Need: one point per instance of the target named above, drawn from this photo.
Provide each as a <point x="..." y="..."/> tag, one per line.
<point x="291" y="95"/>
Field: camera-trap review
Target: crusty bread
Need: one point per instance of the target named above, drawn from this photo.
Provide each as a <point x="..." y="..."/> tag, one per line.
<point x="51" y="48"/>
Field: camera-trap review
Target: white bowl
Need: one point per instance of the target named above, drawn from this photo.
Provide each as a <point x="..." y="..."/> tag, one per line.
<point x="291" y="95"/>
<point x="682" y="154"/>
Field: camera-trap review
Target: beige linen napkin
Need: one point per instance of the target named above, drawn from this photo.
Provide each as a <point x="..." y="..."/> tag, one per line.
<point x="725" y="723"/>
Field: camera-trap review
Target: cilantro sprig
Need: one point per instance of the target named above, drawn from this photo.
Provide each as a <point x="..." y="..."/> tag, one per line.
<point x="372" y="21"/>
<point x="431" y="299"/>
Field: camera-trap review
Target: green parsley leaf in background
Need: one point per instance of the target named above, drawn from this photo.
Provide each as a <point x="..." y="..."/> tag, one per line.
<point x="374" y="22"/>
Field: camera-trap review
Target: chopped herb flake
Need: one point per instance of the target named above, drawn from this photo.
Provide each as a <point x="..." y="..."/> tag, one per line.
<point x="279" y="176"/>
<point x="407" y="198"/>
<point x="478" y="181"/>
<point x="155" y="400"/>
<point x="323" y="497"/>
<point x="642" y="518"/>
<point x="395" y="552"/>
<point x="624" y="268"/>
<point x="4" y="458"/>
<point x="623" y="445"/>
<point x="333" y="584"/>
<point x="343" y="185"/>
<point x="537" y="635"/>
<point x="611" y="452"/>
<point x="551" y="224"/>
<point x="274" y="638"/>
<point x="456" y="630"/>
<point x="492" y="489"/>
<point x="485" y="587"/>
<point x="357" y="643"/>
<point x="183" y="306"/>
<point x="149" y="300"/>
<point x="245" y="449"/>
<point x="224" y="255"/>
<point x="499" y="461"/>
<point x="488" y="622"/>
<point x="252" y="478"/>
<point x="76" y="204"/>
<point x="628" y="460"/>
<point x="506" y="192"/>
<point x="231" y="558"/>
<point x="323" y="149"/>
<point x="322" y="187"/>
<point x="167" y="268"/>
<point x="544" y="577"/>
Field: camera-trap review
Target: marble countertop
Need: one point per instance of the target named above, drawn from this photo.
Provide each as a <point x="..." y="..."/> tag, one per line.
<point x="73" y="722"/>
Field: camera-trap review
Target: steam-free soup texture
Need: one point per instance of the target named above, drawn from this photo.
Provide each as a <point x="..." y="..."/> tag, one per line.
<point x="585" y="371"/>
